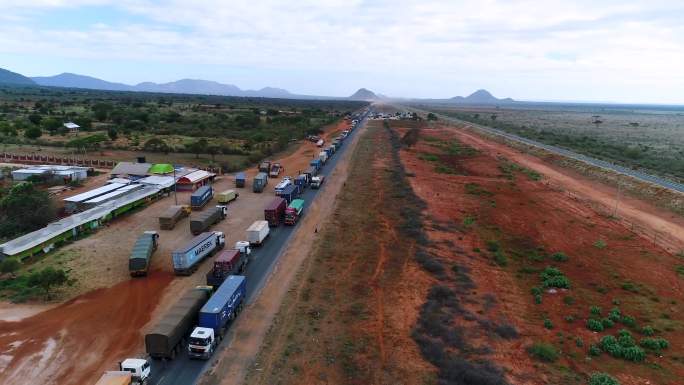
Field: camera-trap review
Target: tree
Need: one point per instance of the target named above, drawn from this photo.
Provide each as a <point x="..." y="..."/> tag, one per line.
<point x="431" y="116"/>
<point x="213" y="150"/>
<point x="87" y="142"/>
<point x="35" y="118"/>
<point x="156" y="145"/>
<point x="198" y="147"/>
<point x="23" y="209"/>
<point x="9" y="265"/>
<point x="112" y="133"/>
<point x="33" y="132"/>
<point x="51" y="124"/>
<point x="47" y="279"/>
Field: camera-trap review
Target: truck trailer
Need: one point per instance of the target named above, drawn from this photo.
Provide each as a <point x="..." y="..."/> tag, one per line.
<point x="144" y="247"/>
<point x="164" y="340"/>
<point x="201" y="197"/>
<point x="226" y="197"/>
<point x="240" y="179"/>
<point x="257" y="232"/>
<point x="290" y="192"/>
<point x="228" y="262"/>
<point x="275" y="211"/>
<point x="187" y="258"/>
<point x="317" y="164"/>
<point x="204" y="220"/>
<point x="215" y="316"/>
<point x="265" y="166"/>
<point x="294" y="211"/>
<point x="168" y="220"/>
<point x="302" y="180"/>
<point x="259" y="182"/>
<point x="323" y="156"/>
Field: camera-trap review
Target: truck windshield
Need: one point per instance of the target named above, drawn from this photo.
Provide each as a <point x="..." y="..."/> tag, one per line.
<point x="198" y="341"/>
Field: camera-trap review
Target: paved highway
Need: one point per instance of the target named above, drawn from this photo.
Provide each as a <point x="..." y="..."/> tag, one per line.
<point x="662" y="182"/>
<point x="182" y="370"/>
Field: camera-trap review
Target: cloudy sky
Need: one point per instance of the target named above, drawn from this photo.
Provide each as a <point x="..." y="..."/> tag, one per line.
<point x="587" y="50"/>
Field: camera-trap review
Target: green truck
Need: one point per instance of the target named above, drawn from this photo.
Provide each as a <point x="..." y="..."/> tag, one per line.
<point x="139" y="261"/>
<point x="294" y="211"/>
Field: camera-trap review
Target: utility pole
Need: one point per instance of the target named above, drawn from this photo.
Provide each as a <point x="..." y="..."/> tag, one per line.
<point x="617" y="198"/>
<point x="175" y="196"/>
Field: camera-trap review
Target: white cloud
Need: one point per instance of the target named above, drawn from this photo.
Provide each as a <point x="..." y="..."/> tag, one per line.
<point x="586" y="47"/>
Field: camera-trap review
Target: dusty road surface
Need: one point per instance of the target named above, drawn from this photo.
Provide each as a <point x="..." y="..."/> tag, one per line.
<point x="65" y="344"/>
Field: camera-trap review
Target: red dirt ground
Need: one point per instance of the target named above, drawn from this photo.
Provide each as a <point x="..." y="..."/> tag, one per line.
<point x="524" y="215"/>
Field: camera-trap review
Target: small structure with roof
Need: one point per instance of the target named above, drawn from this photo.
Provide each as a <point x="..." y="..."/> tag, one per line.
<point x="194" y="180"/>
<point x="58" y="173"/>
<point x="71" y="126"/>
<point x="161" y="169"/>
<point x="131" y="170"/>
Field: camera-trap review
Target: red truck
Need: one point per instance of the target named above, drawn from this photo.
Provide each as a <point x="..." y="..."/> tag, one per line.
<point x="227" y="263"/>
<point x="274" y="212"/>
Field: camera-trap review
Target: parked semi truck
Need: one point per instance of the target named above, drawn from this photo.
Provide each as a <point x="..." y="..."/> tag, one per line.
<point x="265" y="166"/>
<point x="240" y="179"/>
<point x="311" y="171"/>
<point x="215" y="315"/>
<point x="187" y="258"/>
<point x="228" y="262"/>
<point x="276" y="169"/>
<point x="141" y="255"/>
<point x="317" y="181"/>
<point x="302" y="180"/>
<point x="201" y="197"/>
<point x="275" y="211"/>
<point x="290" y="192"/>
<point x="226" y="197"/>
<point x="294" y="211"/>
<point x="317" y="164"/>
<point x="323" y="156"/>
<point x="164" y="340"/>
<point x="257" y="232"/>
<point x="202" y="221"/>
<point x="259" y="183"/>
<point x="168" y="220"/>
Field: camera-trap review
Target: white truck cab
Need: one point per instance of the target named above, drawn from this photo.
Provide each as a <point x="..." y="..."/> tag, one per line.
<point x="244" y="248"/>
<point x="139" y="369"/>
<point x="202" y="343"/>
<point x="220" y="238"/>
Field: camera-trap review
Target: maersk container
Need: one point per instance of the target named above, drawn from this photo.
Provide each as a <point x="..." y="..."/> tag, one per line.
<point x="290" y="192"/>
<point x="275" y="211"/>
<point x="224" y="305"/>
<point x="240" y="179"/>
<point x="200" y="197"/>
<point x="186" y="259"/>
<point x="163" y="341"/>
<point x="259" y="183"/>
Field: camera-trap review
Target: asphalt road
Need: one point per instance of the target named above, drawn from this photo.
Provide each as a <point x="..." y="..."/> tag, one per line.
<point x="659" y="181"/>
<point x="182" y="370"/>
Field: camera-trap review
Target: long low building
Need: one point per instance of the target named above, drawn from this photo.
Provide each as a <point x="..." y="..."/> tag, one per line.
<point x="54" y="172"/>
<point x="74" y="203"/>
<point x="56" y="233"/>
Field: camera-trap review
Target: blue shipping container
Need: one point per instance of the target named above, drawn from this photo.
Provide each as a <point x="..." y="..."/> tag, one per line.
<point x="194" y="251"/>
<point x="224" y="304"/>
<point x="329" y="151"/>
<point x="316" y="163"/>
<point x="200" y="197"/>
<point x="290" y="192"/>
<point x="240" y="179"/>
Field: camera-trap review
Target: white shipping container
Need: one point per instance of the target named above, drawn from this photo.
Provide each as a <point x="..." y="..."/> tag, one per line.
<point x="257" y="232"/>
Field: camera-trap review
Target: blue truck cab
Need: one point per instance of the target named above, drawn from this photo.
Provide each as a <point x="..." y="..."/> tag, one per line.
<point x="317" y="163"/>
<point x="215" y="315"/>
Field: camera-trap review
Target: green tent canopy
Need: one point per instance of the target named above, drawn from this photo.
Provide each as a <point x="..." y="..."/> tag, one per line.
<point x="161" y="168"/>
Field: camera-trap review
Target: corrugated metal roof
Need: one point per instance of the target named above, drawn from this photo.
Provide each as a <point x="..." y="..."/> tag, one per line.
<point x="130" y="168"/>
<point x="157" y="180"/>
<point x="123" y="181"/>
<point x="195" y="177"/>
<point x="116" y="193"/>
<point x="71" y="125"/>
<point x="94" y="193"/>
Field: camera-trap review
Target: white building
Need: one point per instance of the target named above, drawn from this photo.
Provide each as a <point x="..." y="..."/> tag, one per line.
<point x="60" y="173"/>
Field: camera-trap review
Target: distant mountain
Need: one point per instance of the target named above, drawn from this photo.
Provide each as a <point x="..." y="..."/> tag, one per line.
<point x="80" y="81"/>
<point x="480" y="97"/>
<point x="364" y="94"/>
<point x="9" y="77"/>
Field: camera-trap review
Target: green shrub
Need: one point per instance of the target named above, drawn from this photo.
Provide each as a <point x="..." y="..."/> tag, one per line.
<point x="630" y="286"/>
<point x="543" y="352"/>
<point x="579" y="342"/>
<point x="500" y="258"/>
<point x="594" y="325"/>
<point x="568" y="300"/>
<point x="492" y="245"/>
<point x="654" y="343"/>
<point x="570" y="318"/>
<point x="552" y="277"/>
<point x="607" y="323"/>
<point x="615" y="315"/>
<point x="633" y="353"/>
<point x="548" y="324"/>
<point x="647" y="331"/>
<point x="538" y="299"/>
<point x="602" y="379"/>
<point x="536" y="291"/>
<point x="595" y="310"/>
<point x="600" y="244"/>
<point x="628" y="321"/>
<point x="559" y="257"/>
<point x="594" y="350"/>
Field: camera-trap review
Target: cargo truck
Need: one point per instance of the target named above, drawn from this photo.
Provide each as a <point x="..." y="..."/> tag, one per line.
<point x="294" y="211"/>
<point x="228" y="262"/>
<point x="282" y="184"/>
<point x="201" y="197"/>
<point x="290" y="192"/>
<point x="275" y="211"/>
<point x="276" y="168"/>
<point x="311" y="171"/>
<point x="226" y="197"/>
<point x="202" y="221"/>
<point x="187" y="258"/>
<point x="131" y="371"/>
<point x="215" y="315"/>
<point x="323" y="156"/>
<point x="164" y="340"/>
<point x="119" y="377"/>
<point x="168" y="220"/>
<point x="317" y="181"/>
<point x="240" y="179"/>
<point x="244" y="248"/>
<point x="330" y="150"/>
<point x="317" y="164"/>
<point x="257" y="232"/>
<point x="265" y="166"/>
<point x="259" y="183"/>
<point x="144" y="247"/>
<point x="301" y="181"/>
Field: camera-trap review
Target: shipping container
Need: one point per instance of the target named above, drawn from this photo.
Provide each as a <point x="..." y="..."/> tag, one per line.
<point x="257" y="232"/>
<point x="144" y="247"/>
<point x="275" y="211"/>
<point x="323" y="156"/>
<point x="226" y="197"/>
<point x="187" y="258"/>
<point x="164" y="340"/>
<point x="290" y="192"/>
<point x="240" y="179"/>
<point x="228" y="262"/>
<point x="168" y="220"/>
<point x="294" y="211"/>
<point x="311" y="171"/>
<point x="201" y="197"/>
<point x="259" y="183"/>
<point x="316" y="163"/>
<point x="202" y="221"/>
<point x="224" y="305"/>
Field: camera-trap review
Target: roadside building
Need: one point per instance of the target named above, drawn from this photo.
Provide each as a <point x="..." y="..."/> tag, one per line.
<point x="51" y="173"/>
<point x="72" y="127"/>
<point x="194" y="180"/>
<point x="131" y="170"/>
